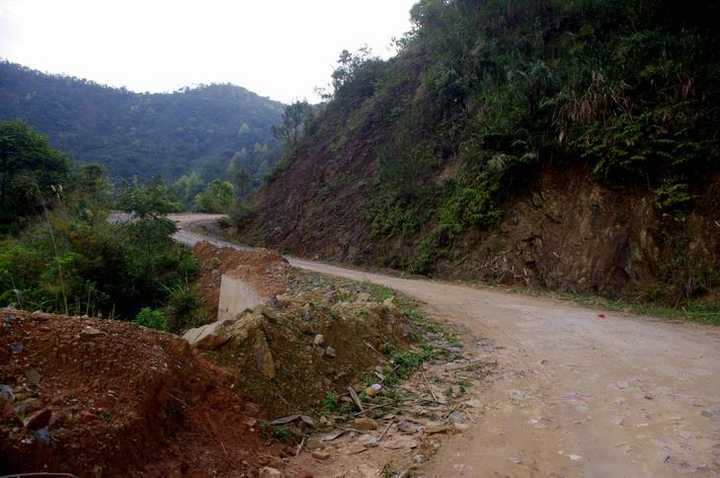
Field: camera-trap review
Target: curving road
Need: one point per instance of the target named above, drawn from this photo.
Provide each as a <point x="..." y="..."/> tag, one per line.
<point x="580" y="393"/>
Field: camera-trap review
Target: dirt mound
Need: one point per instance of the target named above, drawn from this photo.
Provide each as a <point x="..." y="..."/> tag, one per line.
<point x="93" y="397"/>
<point x="265" y="270"/>
<point x="290" y="354"/>
<point x="312" y="335"/>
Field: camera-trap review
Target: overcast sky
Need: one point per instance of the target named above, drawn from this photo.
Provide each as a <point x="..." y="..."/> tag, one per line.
<point x="277" y="48"/>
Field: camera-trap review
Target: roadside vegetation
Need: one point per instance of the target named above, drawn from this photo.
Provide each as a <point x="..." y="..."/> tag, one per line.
<point x="59" y="252"/>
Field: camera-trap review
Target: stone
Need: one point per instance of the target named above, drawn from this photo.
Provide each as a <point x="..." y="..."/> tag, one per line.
<point x="263" y="356"/>
<point x="40" y="315"/>
<point x="461" y="427"/>
<point x="268" y="472"/>
<point x="363" y="297"/>
<point x="373" y="390"/>
<point x="33" y="376"/>
<point x="400" y="443"/>
<point x="211" y="336"/>
<point x="369" y="441"/>
<point x="408" y="427"/>
<point x="457" y="417"/>
<point x="88" y="333"/>
<point x="319" y="340"/>
<point x="28" y="406"/>
<point x="38" y="420"/>
<point x="321" y="455"/>
<point x="365" y="424"/>
<point x="435" y="429"/>
<point x="330" y="352"/>
<point x="7" y="393"/>
<point x="355" y="448"/>
<point x="42" y="435"/>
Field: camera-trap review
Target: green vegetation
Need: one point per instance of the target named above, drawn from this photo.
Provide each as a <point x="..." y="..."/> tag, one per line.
<point x="483" y="96"/>
<point x="490" y="91"/>
<point x="152" y="319"/>
<point x="219" y="197"/>
<point x="211" y="131"/>
<point x="30" y="172"/>
<point x="67" y="257"/>
<point x="330" y="402"/>
<point x="693" y="310"/>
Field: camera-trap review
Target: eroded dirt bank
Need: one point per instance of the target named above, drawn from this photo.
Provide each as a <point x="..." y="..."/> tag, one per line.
<point x="580" y="393"/>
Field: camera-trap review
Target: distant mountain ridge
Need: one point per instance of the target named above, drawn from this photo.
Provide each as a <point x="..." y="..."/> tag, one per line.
<point x="142" y="134"/>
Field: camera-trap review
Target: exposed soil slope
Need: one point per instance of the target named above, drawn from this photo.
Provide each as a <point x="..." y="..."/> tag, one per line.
<point x="567" y="232"/>
<point x="107" y="398"/>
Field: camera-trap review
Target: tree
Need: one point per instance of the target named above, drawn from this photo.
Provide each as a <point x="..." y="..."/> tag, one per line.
<point x="148" y="201"/>
<point x="29" y="169"/>
<point x="218" y="198"/>
<point x="294" y="123"/>
<point x="187" y="187"/>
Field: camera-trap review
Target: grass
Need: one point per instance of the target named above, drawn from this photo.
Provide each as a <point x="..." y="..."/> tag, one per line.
<point x="330" y="402"/>
<point x="280" y="433"/>
<point x="694" y="311"/>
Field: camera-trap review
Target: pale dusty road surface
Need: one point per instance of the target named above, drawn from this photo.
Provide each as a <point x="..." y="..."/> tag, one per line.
<point x="577" y="395"/>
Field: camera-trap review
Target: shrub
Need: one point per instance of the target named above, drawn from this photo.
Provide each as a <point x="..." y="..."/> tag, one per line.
<point x="152" y="319"/>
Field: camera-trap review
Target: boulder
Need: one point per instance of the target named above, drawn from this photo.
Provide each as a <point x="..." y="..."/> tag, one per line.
<point x="210" y="336"/>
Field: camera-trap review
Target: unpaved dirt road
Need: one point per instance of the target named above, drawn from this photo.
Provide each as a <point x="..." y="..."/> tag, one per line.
<point x="578" y="395"/>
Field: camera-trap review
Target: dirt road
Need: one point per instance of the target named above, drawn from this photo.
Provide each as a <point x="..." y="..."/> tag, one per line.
<point x="579" y="394"/>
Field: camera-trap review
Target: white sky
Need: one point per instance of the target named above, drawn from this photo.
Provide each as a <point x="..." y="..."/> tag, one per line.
<point x="277" y="48"/>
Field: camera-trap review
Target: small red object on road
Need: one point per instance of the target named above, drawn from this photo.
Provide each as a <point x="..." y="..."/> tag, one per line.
<point x="601" y="316"/>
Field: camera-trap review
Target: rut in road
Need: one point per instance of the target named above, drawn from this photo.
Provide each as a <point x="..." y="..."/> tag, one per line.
<point x="579" y="393"/>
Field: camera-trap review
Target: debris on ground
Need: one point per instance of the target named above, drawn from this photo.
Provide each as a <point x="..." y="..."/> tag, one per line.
<point x="101" y="397"/>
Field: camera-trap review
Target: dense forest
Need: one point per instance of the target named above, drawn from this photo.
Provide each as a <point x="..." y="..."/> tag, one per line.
<point x="207" y="130"/>
<point x="558" y="143"/>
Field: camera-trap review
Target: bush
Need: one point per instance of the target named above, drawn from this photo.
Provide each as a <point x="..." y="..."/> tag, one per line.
<point x="152" y="319"/>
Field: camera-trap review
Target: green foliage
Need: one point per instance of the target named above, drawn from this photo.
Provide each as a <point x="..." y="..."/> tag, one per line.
<point x="280" y="433"/>
<point x="218" y="198"/>
<point x="31" y="172"/>
<point x="673" y="198"/>
<point x="330" y="402"/>
<point x="73" y="260"/>
<point x="152" y="319"/>
<point x="241" y="213"/>
<point x="146" y="135"/>
<point x="295" y="120"/>
<point x="148" y="201"/>
<point x="183" y="308"/>
<point x="482" y="95"/>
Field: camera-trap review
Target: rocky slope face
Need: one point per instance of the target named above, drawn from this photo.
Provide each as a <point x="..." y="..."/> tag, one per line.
<point x="566" y="232"/>
<point x="549" y="146"/>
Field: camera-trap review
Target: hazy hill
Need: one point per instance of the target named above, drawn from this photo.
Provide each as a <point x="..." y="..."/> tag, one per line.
<point x="132" y="134"/>
<point x="558" y="143"/>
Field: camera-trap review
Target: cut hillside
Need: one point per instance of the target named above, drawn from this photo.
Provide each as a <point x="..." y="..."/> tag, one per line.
<point x="570" y="145"/>
<point x="107" y="398"/>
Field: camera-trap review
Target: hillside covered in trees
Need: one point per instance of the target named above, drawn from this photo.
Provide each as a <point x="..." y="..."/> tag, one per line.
<point x="555" y="143"/>
<point x="205" y="130"/>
